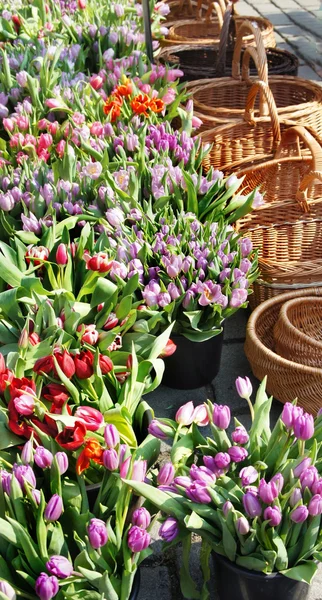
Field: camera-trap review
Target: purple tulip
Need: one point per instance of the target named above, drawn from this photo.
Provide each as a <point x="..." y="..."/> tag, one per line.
<point x="252" y="505"/>
<point x="242" y="526"/>
<point x="43" y="457"/>
<point x="185" y="414"/>
<point x="6" y="479"/>
<point x="304" y="464"/>
<point x="244" y="387"/>
<point x="238" y="297"/>
<point x="59" y="566"/>
<point x="169" y="529"/>
<point x="237" y="453"/>
<point x="209" y="462"/>
<point x="315" y="505"/>
<point x="202" y="474"/>
<point x="227" y="507"/>
<point x="290" y="413"/>
<point x="188" y="298"/>
<point x="111" y="436"/>
<point x="278" y="479"/>
<point x="173" y="265"/>
<point x="308" y="477"/>
<point x="141" y="518"/>
<point x="97" y="533"/>
<point x="7" y="590"/>
<point x="159" y="430"/>
<point x="295" y="497"/>
<point x="222" y="460"/>
<point x="248" y="475"/>
<point x="299" y="514"/>
<point x="139" y="470"/>
<point x="273" y="515"/>
<point x="174" y="291"/>
<point x="317" y="487"/>
<point x="110" y="459"/>
<point x="166" y="474"/>
<point x="46" y="587"/>
<point x="115" y="216"/>
<point x="62" y="461"/>
<point x="240" y="435"/>
<point x="221" y="416"/>
<point x="304" y="427"/>
<point x="197" y="492"/>
<point x="54" y="508"/>
<point x="268" y="492"/>
<point x="24" y="474"/>
<point x="138" y="539"/>
<point x="246" y="247"/>
<point x="27" y="453"/>
<point x="36" y="496"/>
<point x="182" y="481"/>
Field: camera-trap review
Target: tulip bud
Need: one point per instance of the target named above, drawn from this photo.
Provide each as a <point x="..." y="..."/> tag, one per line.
<point x="304" y="427"/>
<point x="273" y="515"/>
<point x="36" y="496"/>
<point x="139" y="470"/>
<point x="92" y="418"/>
<point x="182" y="481"/>
<point x="141" y="518"/>
<point x="138" y="539"/>
<point x="90" y="334"/>
<point x="169" y="530"/>
<point x="62" y="255"/>
<point x="202" y="474"/>
<point x="299" y="514"/>
<point x="248" y="475"/>
<point x="166" y="474"/>
<point x="46" y="587"/>
<point x="244" y="387"/>
<point x="296" y="497"/>
<point x="43" y="457"/>
<point x="315" y="505"/>
<point x="252" y="505"/>
<point x="111" y="436"/>
<point x="7" y="590"/>
<point x="197" y="492"/>
<point x="240" y="435"/>
<point x="227" y="507"/>
<point x="110" y="459"/>
<point x="237" y="453"/>
<point x="200" y="416"/>
<point x="23" y="339"/>
<point x="27" y="453"/>
<point x="97" y="533"/>
<point x="221" y="416"/>
<point x="24" y="474"/>
<point x="278" y="479"/>
<point x="317" y="487"/>
<point x="304" y="464"/>
<point x="25" y="404"/>
<point x="59" y="566"/>
<point x="268" y="492"/>
<point x="105" y="363"/>
<point x="185" y="414"/>
<point x="169" y="349"/>
<point x="54" y="508"/>
<point x="222" y="460"/>
<point x="159" y="430"/>
<point x="242" y="526"/>
<point x="290" y="413"/>
<point x="308" y="477"/>
<point x="62" y="460"/>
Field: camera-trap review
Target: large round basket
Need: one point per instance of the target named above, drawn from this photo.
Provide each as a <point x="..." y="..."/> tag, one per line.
<point x="286" y="380"/>
<point x="298" y="331"/>
<point x="181" y="10"/>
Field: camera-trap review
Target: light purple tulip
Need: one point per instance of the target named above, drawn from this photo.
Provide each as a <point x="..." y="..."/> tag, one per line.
<point x="278" y="479"/>
<point x="222" y="460"/>
<point x="273" y="515"/>
<point x="237" y="453"/>
<point x="317" y="487"/>
<point x="299" y="514"/>
<point x="227" y="507"/>
<point x="185" y="414"/>
<point x="7" y="590"/>
<point x="111" y="436"/>
<point x="248" y="475"/>
<point x="159" y="430"/>
<point x="43" y="457"/>
<point x="304" y="427"/>
<point x="244" y="387"/>
<point x="252" y="505"/>
<point x="202" y="474"/>
<point x="27" y="453"/>
<point x="169" y="530"/>
<point x="295" y="497"/>
<point x="242" y="526"/>
<point x="268" y="492"/>
<point x="182" y="481"/>
<point x="315" y="505"/>
<point x="54" y="508"/>
<point x="290" y="413"/>
<point x="166" y="474"/>
<point x="59" y="566"/>
<point x="221" y="416"/>
<point x="304" y="464"/>
<point x="197" y="492"/>
<point x="62" y="461"/>
<point x="238" y="297"/>
<point x="36" y="496"/>
<point x="24" y="474"/>
<point x="141" y="518"/>
<point x="97" y="533"/>
<point x="110" y="459"/>
<point x="308" y="477"/>
<point x="240" y="435"/>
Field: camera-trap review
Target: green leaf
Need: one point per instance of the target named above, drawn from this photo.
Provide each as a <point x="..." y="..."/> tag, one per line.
<point x="304" y="572"/>
<point x="7" y="438"/>
<point x="123" y="309"/>
<point x="160" y="499"/>
<point x="282" y="558"/>
<point x="103" y="292"/>
<point x="251" y="563"/>
<point x="182" y="449"/>
<point x="188" y="586"/>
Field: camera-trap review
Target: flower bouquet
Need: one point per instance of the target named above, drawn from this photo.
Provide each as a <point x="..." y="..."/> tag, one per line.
<point x="255" y="497"/>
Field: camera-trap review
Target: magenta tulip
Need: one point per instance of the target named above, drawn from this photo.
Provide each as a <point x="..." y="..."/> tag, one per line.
<point x="299" y="514"/>
<point x="237" y="453"/>
<point x="43" y="457"/>
<point x="221" y="416"/>
<point x="304" y="464"/>
<point x="222" y="460"/>
<point x="138" y="539"/>
<point x="308" y="477"/>
<point x="268" y="492"/>
<point x="169" y="529"/>
<point x="202" y="474"/>
<point x="197" y="492"/>
<point x="97" y="533"/>
<point x="252" y="505"/>
<point x="46" y="587"/>
<point x="59" y="566"/>
<point x="141" y="518"/>
<point x="273" y="515"/>
<point x="240" y="435"/>
<point x="315" y="505"/>
<point x="110" y="459"/>
<point x="304" y="427"/>
<point x="54" y="508"/>
<point x="166" y="474"/>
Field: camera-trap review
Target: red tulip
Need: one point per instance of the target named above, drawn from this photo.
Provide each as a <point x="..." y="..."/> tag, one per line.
<point x="84" y="364"/>
<point x="99" y="262"/>
<point x="169" y="349"/>
<point x="72" y="438"/>
<point x="55" y="393"/>
<point x="105" y="363"/>
<point x="34" y="339"/>
<point x="2" y="364"/>
<point x="66" y="363"/>
<point x="44" y="365"/>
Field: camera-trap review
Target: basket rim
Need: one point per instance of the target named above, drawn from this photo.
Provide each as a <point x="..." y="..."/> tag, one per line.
<point x="285" y="320"/>
<point x="252" y="336"/>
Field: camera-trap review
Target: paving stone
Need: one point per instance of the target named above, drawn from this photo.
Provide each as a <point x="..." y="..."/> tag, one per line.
<point x="235" y="326"/>
<point x="307" y="72"/>
<point x="166" y="401"/>
<point x="155" y="583"/>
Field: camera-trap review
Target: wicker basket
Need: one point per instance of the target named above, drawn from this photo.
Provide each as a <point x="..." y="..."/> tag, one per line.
<point x="181" y="10"/>
<point x="286" y="380"/>
<point x="298" y="331"/>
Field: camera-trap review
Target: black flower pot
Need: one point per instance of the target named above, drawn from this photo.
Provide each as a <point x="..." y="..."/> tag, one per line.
<point x="236" y="583"/>
<point x="193" y="364"/>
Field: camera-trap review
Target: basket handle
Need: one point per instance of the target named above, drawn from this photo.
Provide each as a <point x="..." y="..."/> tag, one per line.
<point x="264" y="90"/>
<point x="189" y="3"/>
<point x="295" y="134"/>
<point x="223" y="42"/>
<point x="258" y="53"/>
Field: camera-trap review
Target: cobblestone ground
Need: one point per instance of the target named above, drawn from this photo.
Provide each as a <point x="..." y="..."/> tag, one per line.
<point x="298" y="27"/>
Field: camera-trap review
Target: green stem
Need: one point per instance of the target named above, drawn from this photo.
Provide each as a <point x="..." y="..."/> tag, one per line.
<point x="251" y="408"/>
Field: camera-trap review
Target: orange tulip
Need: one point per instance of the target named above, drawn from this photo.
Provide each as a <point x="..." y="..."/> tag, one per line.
<point x="92" y="451"/>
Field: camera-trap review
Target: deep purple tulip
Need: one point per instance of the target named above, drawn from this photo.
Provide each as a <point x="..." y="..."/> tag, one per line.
<point x="273" y="515"/>
<point x="252" y="505"/>
<point x="304" y="464"/>
<point x="197" y="492"/>
<point x="222" y="460"/>
<point x="248" y="475"/>
<point x="59" y="566"/>
<point x="237" y="453"/>
<point x="209" y="462"/>
<point x="268" y="492"/>
<point x="27" y="453"/>
<point x="299" y="514"/>
<point x="112" y="436"/>
<point x="295" y="497"/>
<point x="202" y="474"/>
<point x="304" y="427"/>
<point x="54" y="508"/>
<point x="221" y="416"/>
<point x="242" y="526"/>
<point x="244" y="387"/>
<point x="62" y="461"/>
<point x="169" y="529"/>
<point x="110" y="459"/>
<point x="308" y="477"/>
<point x="138" y="539"/>
<point x="141" y="518"/>
<point x="46" y="587"/>
<point x="43" y="457"/>
<point x="24" y="474"/>
<point x="97" y="533"/>
<point x="240" y="435"/>
<point x="315" y="505"/>
<point x="166" y="474"/>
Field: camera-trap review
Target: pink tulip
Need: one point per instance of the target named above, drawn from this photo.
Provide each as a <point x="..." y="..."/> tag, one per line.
<point x="91" y="417"/>
<point x="185" y="414"/>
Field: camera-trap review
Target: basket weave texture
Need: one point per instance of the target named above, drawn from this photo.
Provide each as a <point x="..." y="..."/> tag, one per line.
<point x="286" y="380"/>
<point x="298" y="331"/>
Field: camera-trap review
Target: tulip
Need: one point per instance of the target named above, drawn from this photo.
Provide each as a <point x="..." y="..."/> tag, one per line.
<point x="299" y="514"/>
<point x="7" y="590"/>
<point x="159" y="430"/>
<point x="24" y="404"/>
<point x="200" y="416"/>
<point x="268" y="492"/>
<point x="290" y="413"/>
<point x="185" y="414"/>
<point x="237" y="453"/>
<point x="308" y="477"/>
<point x="6" y="479"/>
<point x="302" y="466"/>
<point x="90" y="335"/>
<point x="61" y="255"/>
<point x="24" y="474"/>
<point x="169" y="530"/>
<point x="202" y="474"/>
<point x="59" y="566"/>
<point x="54" y="508"/>
<point x="315" y="505"/>
<point x="278" y="479"/>
<point x="317" y="487"/>
<point x="138" y="539"/>
<point x="46" y="587"/>
<point x="273" y="515"/>
<point x="66" y="363"/>
<point x="36" y="496"/>
<point x="304" y="427"/>
<point x="227" y="507"/>
<point x="105" y="363"/>
<point x="252" y="505"/>
<point x="166" y="474"/>
<point x="110" y="459"/>
<point x="43" y="457"/>
<point x="139" y="470"/>
<point x="111" y="436"/>
<point x="141" y="518"/>
<point x="62" y="461"/>
<point x="209" y="462"/>
<point x="27" y="453"/>
<point x="92" y="418"/>
<point x="296" y="497"/>
<point x="168" y="350"/>
<point x="182" y="481"/>
<point x="197" y="492"/>
<point x="248" y="475"/>
<point x="221" y="416"/>
<point x="72" y="438"/>
<point x="222" y="460"/>
<point x="242" y="526"/>
<point x="84" y="364"/>
<point x="244" y="387"/>
<point x="240" y="435"/>
<point x="97" y="533"/>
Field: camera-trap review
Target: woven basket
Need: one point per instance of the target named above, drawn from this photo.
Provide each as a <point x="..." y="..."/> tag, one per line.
<point x="286" y="380"/>
<point x="298" y="331"/>
<point x="181" y="10"/>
